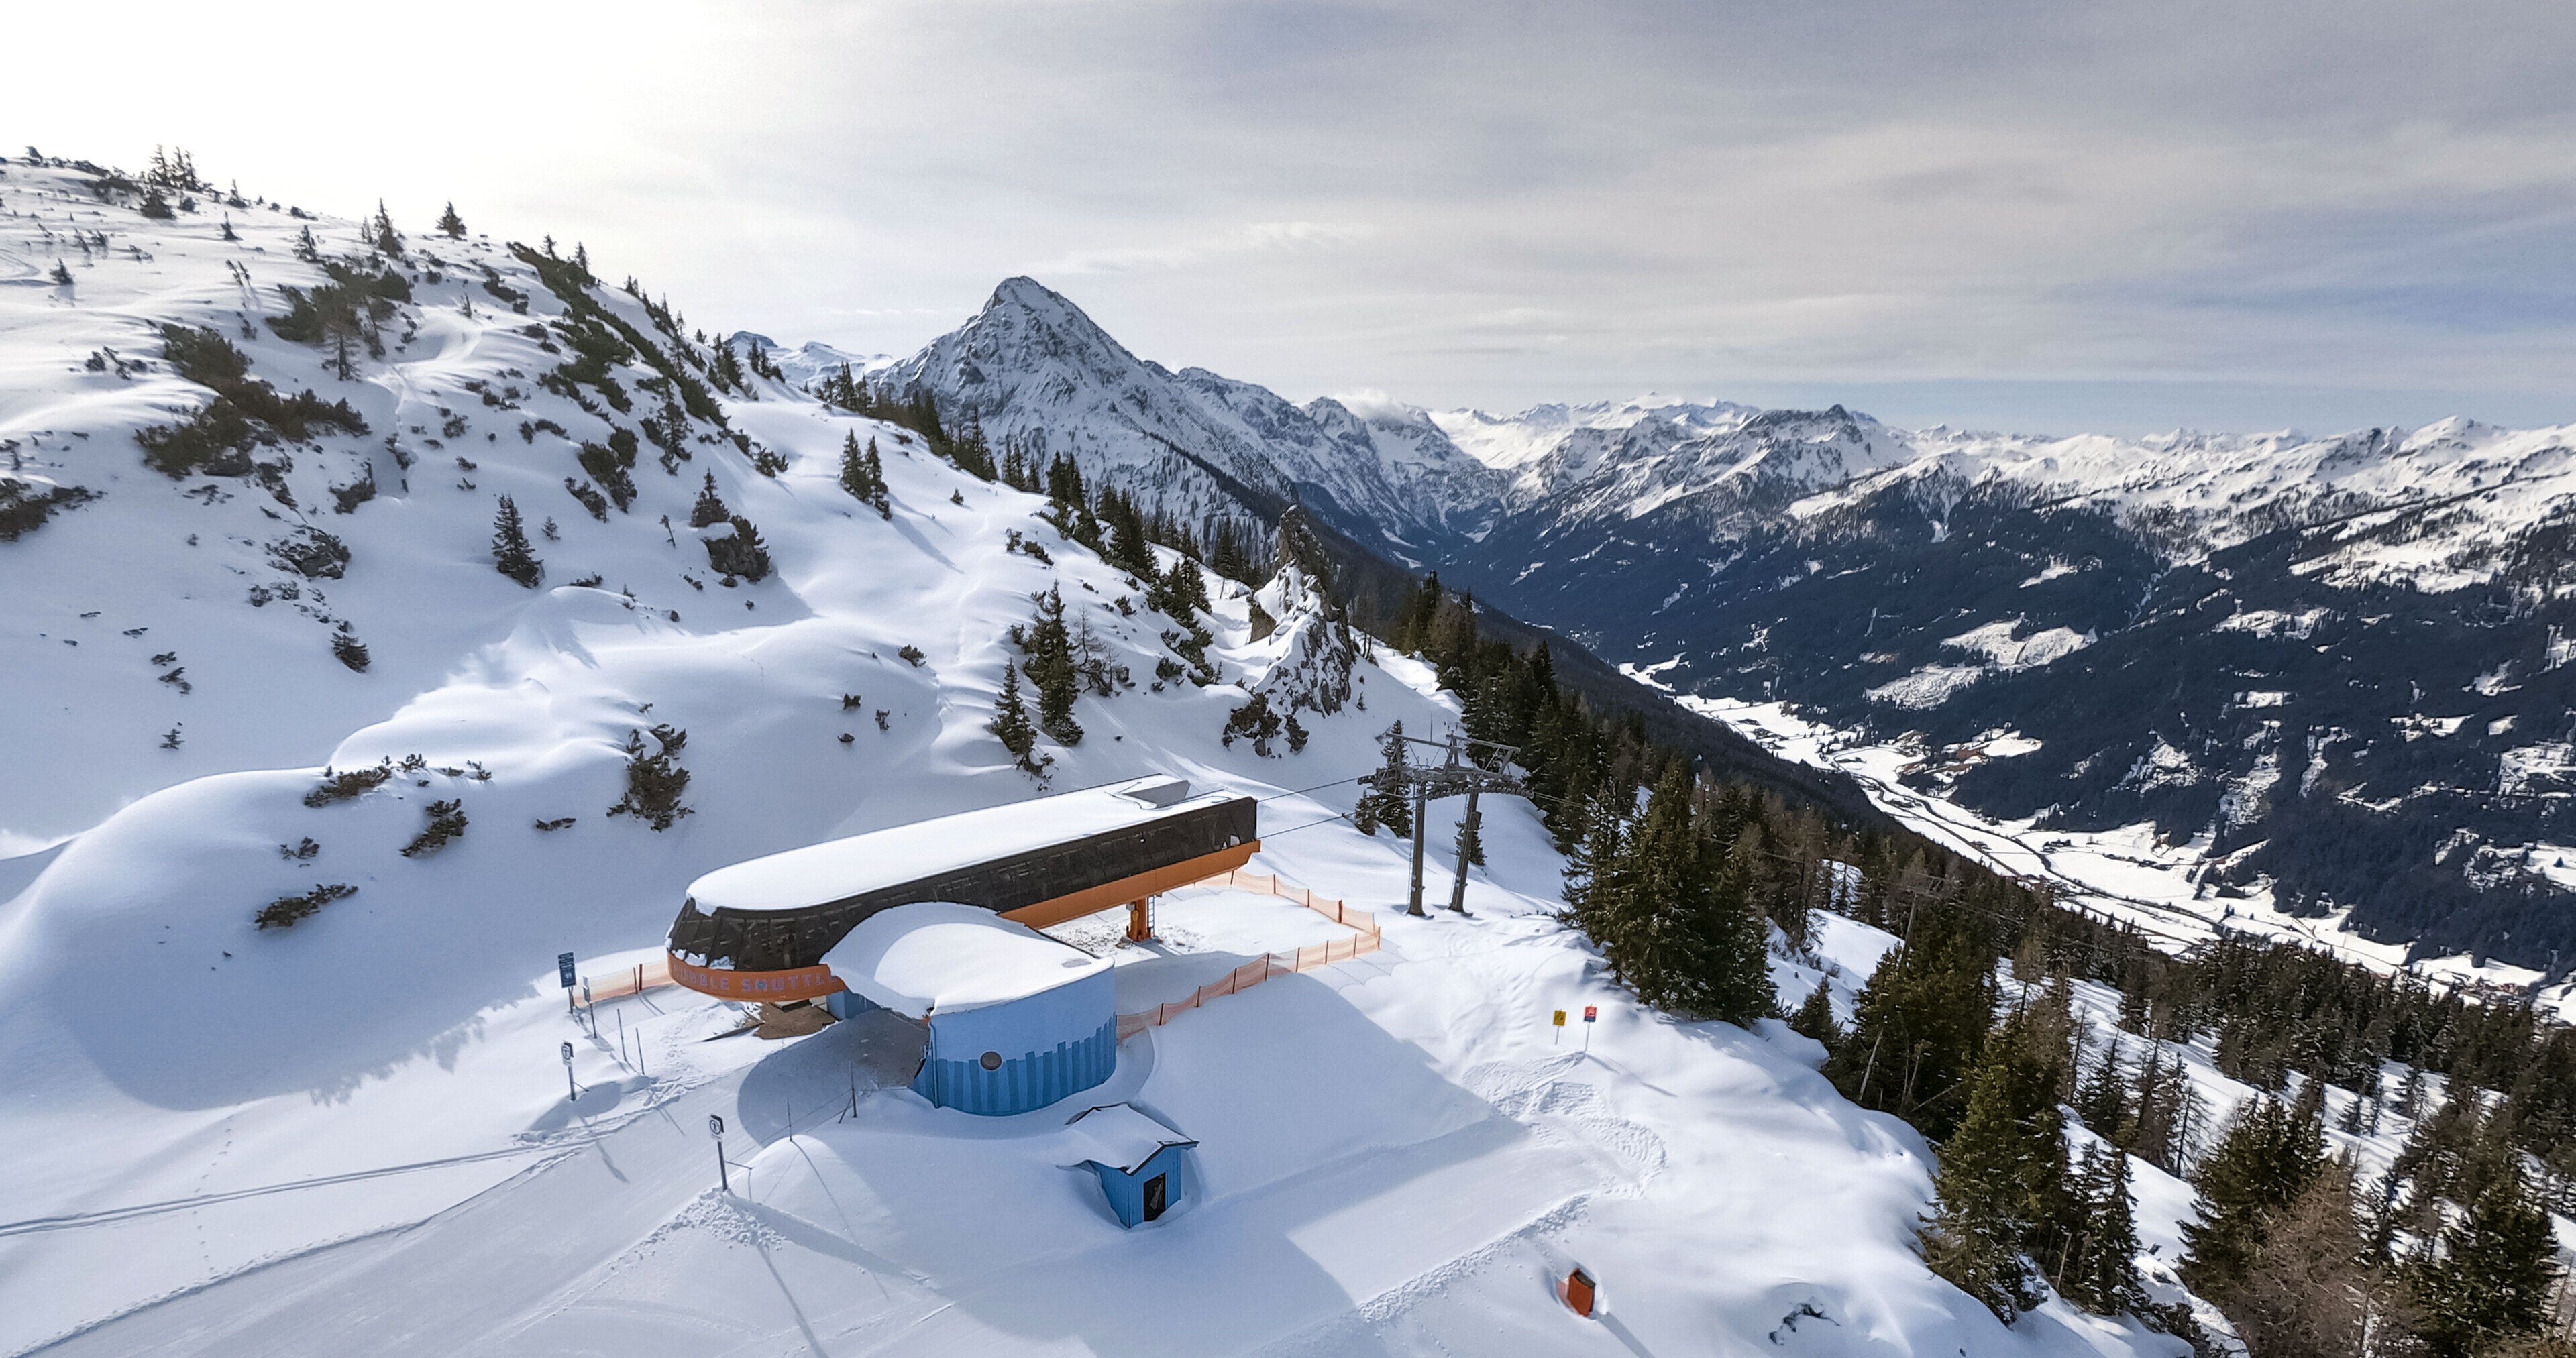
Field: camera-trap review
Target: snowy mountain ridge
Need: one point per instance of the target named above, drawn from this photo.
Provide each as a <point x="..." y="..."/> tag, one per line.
<point x="1033" y="370"/>
<point x="2169" y="623"/>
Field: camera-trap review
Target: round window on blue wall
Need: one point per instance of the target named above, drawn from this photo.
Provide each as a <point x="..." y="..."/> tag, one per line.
<point x="992" y="1060"/>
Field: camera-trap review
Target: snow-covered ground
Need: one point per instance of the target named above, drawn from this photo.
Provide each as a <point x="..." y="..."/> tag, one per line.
<point x="353" y="1135"/>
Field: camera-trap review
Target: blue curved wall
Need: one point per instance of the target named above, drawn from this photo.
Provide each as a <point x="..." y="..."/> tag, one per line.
<point x="1053" y="1045"/>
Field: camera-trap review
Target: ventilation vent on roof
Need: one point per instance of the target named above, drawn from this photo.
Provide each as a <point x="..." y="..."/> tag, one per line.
<point x="1157" y="791"/>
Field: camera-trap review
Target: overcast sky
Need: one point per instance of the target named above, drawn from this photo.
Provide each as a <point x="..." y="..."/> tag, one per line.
<point x="2031" y="214"/>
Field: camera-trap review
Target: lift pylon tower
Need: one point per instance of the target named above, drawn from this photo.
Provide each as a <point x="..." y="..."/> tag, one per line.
<point x="1459" y="774"/>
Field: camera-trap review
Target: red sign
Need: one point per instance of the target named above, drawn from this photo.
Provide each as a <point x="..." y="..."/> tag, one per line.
<point x="1591" y="1013"/>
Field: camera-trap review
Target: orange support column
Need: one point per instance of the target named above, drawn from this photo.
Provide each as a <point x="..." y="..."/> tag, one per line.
<point x="1140" y="921"/>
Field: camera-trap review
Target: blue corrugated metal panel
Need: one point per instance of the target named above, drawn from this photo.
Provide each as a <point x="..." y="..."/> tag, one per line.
<point x="847" y="1004"/>
<point x="1052" y="1045"/>
<point x="1126" y="1192"/>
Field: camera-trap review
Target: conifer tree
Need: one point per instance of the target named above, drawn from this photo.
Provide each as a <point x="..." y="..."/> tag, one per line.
<point x="1179" y="593"/>
<point x="2103" y="1099"/>
<point x="710" y="508"/>
<point x="1919" y="1026"/>
<point x="740" y="552"/>
<point x="1011" y="720"/>
<point x="2003" y="1178"/>
<point x="863" y="474"/>
<point x="727" y="370"/>
<point x="450" y="225"/>
<point x="1815" y="1017"/>
<point x="62" y="276"/>
<point x="1050" y="667"/>
<point x="2266" y="1158"/>
<point x="381" y="233"/>
<point x="2493" y="1275"/>
<point x="510" y="552"/>
<point x="2101" y="1273"/>
<point x="1387" y="802"/>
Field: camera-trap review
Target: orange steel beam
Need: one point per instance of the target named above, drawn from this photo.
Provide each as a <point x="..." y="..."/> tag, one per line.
<point x="1110" y="895"/>
<point x="815" y="982"/>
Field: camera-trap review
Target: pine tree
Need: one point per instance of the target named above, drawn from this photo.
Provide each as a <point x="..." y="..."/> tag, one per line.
<point x="229" y="233"/>
<point x="1919" y="1026"/>
<point x="1011" y="720"/>
<point x="381" y="233"/>
<point x="450" y="225"/>
<point x="710" y="508"/>
<point x="1815" y="1017"/>
<point x="2266" y="1158"/>
<point x="1050" y="667"/>
<point x="2494" y="1274"/>
<point x="863" y="474"/>
<point x="510" y="551"/>
<point x="2101" y="1273"/>
<point x="62" y="276"/>
<point x="1670" y="913"/>
<point x="740" y="552"/>
<point x="1387" y="802"/>
<point x="2003" y="1180"/>
<point x="727" y="370"/>
<point x="2103" y="1099"/>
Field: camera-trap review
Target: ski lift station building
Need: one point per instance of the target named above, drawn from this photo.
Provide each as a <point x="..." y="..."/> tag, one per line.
<point x="938" y="921"/>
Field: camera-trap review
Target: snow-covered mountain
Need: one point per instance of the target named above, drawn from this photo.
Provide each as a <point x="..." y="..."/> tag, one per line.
<point x="2268" y="647"/>
<point x="2171" y="625"/>
<point x="349" y="587"/>
<point x="805" y="364"/>
<point x="1036" y="372"/>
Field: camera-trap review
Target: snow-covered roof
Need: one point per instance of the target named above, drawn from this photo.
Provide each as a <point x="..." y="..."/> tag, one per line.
<point x="840" y="868"/>
<point x="937" y="956"/>
<point x="1123" y="1136"/>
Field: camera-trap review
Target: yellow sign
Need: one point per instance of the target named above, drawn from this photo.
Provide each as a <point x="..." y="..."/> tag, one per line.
<point x="1560" y="1018"/>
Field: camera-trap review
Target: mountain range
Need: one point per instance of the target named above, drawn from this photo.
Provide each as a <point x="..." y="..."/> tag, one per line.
<point x="2330" y="666"/>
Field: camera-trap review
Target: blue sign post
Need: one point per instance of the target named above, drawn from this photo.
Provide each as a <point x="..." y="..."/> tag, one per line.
<point x="563" y="964"/>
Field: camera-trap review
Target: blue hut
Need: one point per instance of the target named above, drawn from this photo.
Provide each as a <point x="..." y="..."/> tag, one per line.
<point x="1137" y="1158"/>
<point x="1016" y="1020"/>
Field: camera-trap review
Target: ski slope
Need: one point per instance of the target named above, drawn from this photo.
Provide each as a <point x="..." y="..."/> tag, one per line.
<point x="354" y="1135"/>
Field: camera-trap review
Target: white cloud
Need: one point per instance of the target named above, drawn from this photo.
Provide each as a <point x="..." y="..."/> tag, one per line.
<point x="2016" y="199"/>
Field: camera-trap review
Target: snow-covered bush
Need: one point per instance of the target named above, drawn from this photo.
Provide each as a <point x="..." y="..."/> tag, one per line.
<point x="348" y="785"/>
<point x="311" y="553"/>
<point x="350" y="651"/>
<point x="285" y="911"/>
<point x="446" y="822"/>
<point x="24" y="505"/>
<point x="655" y="781"/>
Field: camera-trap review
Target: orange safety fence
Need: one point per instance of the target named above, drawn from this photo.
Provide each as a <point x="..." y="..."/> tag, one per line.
<point x="655" y="973"/>
<point x="1314" y="955"/>
<point x="634" y="980"/>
